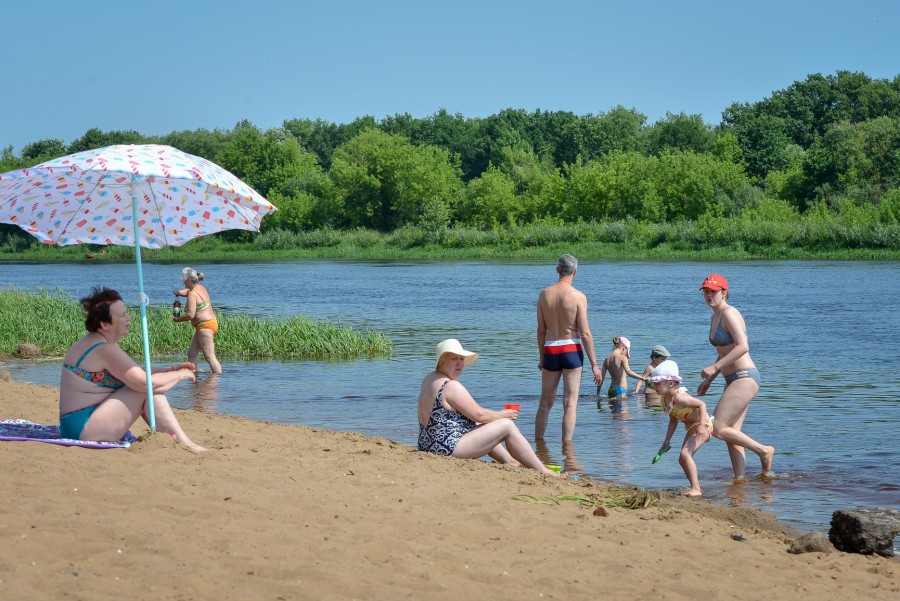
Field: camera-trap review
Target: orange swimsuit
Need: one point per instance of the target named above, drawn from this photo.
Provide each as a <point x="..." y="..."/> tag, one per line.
<point x="209" y="324"/>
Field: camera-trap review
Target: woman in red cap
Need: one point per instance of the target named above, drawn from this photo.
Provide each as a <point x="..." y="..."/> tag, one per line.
<point x="728" y="333"/>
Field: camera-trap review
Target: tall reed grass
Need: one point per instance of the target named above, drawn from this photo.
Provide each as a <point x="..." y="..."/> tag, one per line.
<point x="53" y="320"/>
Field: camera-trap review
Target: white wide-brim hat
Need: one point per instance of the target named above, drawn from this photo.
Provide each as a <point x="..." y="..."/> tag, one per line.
<point x="667" y="370"/>
<point x="452" y="345"/>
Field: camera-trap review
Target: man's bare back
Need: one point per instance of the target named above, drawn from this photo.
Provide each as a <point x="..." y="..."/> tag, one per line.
<point x="558" y="306"/>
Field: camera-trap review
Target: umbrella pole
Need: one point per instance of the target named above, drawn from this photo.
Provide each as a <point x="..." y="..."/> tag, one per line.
<point x="151" y="413"/>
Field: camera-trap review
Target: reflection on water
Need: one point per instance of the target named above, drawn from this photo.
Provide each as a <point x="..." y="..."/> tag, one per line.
<point x="569" y="463"/>
<point x="759" y="493"/>
<point x="617" y="406"/>
<point x="649" y="400"/>
<point x="204" y="394"/>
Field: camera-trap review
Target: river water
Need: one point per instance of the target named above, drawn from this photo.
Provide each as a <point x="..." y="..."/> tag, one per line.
<point x="823" y="335"/>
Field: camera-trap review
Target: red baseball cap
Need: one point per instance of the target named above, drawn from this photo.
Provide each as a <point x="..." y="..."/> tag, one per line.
<point x="714" y="281"/>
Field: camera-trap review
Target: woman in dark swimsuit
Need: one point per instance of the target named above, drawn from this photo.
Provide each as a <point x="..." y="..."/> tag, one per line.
<point x="102" y="392"/>
<point x="199" y="312"/>
<point x="728" y="334"/>
<point x="452" y="423"/>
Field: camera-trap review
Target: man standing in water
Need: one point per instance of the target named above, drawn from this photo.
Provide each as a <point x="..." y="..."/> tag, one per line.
<point x="563" y="335"/>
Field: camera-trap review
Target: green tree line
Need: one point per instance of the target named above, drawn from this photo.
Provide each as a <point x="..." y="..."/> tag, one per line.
<point x="825" y="146"/>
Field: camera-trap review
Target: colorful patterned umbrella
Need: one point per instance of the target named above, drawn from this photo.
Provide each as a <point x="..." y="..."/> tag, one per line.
<point x="129" y="195"/>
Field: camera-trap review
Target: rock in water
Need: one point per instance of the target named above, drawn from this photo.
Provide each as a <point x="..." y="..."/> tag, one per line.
<point x="865" y="531"/>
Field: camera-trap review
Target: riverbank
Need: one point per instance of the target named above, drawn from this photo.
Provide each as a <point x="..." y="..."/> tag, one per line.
<point x="298" y="513"/>
<point x="712" y="239"/>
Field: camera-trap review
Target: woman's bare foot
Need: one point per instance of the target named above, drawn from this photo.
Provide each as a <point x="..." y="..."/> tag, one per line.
<point x="766" y="461"/>
<point x="192" y="446"/>
<point x="693" y="493"/>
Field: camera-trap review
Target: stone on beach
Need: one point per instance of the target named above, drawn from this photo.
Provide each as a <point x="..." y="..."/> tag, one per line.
<point x="811" y="542"/>
<point x="865" y="531"/>
<point x="28" y="350"/>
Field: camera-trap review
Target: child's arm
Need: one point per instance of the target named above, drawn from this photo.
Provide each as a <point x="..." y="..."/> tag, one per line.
<point x="647" y="371"/>
<point x="673" y="423"/>
<point x="687" y="400"/>
<point x="627" y="369"/>
<point x="603" y="371"/>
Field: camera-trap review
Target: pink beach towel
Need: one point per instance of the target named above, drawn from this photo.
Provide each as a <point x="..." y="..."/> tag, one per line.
<point x="23" y="430"/>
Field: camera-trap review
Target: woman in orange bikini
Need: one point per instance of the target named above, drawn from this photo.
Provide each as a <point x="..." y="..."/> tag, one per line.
<point x="199" y="312"/>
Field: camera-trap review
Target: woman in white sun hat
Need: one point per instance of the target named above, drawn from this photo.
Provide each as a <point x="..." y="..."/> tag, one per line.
<point x="452" y="423"/>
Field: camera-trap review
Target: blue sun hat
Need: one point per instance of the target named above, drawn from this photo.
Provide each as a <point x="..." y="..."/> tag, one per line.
<point x="665" y="371"/>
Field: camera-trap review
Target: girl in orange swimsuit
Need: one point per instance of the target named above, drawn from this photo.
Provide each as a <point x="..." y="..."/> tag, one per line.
<point x="688" y="410"/>
<point x="199" y="312"/>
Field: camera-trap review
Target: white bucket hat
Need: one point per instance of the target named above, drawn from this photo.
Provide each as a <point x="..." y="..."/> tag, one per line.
<point x="452" y="345"/>
<point x="667" y="370"/>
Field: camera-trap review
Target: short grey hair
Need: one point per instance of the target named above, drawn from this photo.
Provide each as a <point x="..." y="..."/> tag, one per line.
<point x="567" y="265"/>
<point x="188" y="274"/>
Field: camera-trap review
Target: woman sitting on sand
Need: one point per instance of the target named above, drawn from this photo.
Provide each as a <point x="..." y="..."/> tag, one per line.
<point x="102" y="391"/>
<point x="452" y="423"/>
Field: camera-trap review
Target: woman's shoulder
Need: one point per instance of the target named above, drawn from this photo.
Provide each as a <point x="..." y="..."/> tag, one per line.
<point x="732" y="314"/>
<point x="433" y="379"/>
<point x="88" y="346"/>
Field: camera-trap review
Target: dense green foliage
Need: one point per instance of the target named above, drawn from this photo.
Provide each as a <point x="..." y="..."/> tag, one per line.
<point x="825" y="148"/>
<point x="53" y="321"/>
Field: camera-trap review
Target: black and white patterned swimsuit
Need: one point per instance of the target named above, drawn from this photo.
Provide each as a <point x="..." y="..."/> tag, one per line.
<point x="444" y="428"/>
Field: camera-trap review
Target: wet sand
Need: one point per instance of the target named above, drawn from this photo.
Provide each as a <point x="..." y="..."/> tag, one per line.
<point x="289" y="512"/>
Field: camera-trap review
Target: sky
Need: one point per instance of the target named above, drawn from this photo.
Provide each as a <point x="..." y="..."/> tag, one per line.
<point x="168" y="65"/>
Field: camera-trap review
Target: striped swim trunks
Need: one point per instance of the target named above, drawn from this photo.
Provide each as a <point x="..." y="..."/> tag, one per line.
<point x="563" y="354"/>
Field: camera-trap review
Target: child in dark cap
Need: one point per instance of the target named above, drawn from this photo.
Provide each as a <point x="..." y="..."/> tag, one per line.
<point x="658" y="354"/>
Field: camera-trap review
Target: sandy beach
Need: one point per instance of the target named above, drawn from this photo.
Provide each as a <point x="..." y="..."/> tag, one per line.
<point x="288" y="512"/>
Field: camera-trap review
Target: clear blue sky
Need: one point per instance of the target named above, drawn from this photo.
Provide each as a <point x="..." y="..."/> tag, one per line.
<point x="155" y="67"/>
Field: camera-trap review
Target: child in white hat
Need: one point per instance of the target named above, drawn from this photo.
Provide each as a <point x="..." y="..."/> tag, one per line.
<point x="682" y="407"/>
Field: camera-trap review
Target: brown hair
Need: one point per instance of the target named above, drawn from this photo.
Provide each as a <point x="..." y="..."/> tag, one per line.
<point x="96" y="307"/>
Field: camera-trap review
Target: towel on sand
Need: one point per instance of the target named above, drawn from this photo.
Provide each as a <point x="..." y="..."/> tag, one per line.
<point x="20" y="429"/>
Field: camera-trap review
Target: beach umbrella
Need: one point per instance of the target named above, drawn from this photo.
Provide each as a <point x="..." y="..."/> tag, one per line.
<point x="129" y="195"/>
